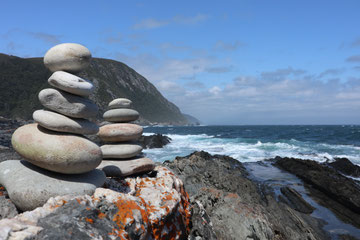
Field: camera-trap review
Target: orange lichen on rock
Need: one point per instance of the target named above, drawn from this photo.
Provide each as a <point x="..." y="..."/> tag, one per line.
<point x="89" y="220"/>
<point x="101" y="215"/>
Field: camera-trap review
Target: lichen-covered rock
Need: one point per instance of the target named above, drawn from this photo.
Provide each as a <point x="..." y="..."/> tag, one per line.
<point x="148" y="207"/>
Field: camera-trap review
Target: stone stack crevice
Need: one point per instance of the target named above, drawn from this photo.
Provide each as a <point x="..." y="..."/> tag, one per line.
<point x="59" y="160"/>
<point x="122" y="154"/>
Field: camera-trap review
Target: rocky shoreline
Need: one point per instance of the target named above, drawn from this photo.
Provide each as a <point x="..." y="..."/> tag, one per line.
<point x="225" y="201"/>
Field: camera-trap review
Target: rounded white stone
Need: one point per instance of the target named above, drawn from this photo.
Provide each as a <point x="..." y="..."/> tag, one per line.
<point x="123" y="168"/>
<point x="30" y="187"/>
<point x="120" y="103"/>
<point x="71" y="83"/>
<point x="55" y="151"/>
<point x="120" y="132"/>
<point x="67" y="104"/>
<point x="60" y="123"/>
<point x="69" y="57"/>
<point x="121" y="150"/>
<point x="121" y="115"/>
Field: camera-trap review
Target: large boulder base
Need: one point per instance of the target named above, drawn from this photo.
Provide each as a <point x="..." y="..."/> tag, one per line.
<point x="147" y="207"/>
<point x="30" y="187"/>
<point x="55" y="151"/>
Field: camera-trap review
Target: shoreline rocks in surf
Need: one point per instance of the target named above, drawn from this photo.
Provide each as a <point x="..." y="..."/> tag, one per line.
<point x="236" y="206"/>
<point x="326" y="186"/>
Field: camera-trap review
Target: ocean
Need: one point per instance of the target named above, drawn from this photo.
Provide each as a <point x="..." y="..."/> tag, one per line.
<point x="256" y="143"/>
<point x="251" y="144"/>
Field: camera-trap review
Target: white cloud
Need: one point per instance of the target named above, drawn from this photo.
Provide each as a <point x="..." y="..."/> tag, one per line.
<point x="152" y="23"/>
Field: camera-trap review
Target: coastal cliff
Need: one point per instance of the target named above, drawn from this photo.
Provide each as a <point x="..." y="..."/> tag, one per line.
<point x="22" y="78"/>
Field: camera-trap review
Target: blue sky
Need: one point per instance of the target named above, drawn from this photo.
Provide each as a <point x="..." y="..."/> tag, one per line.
<point x="225" y="62"/>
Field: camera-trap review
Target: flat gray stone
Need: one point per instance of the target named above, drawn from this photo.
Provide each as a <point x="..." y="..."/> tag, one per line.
<point x="30" y="187"/>
<point x="120" y="150"/>
<point x="121" y="115"/>
<point x="71" y="83"/>
<point x="60" y="123"/>
<point x="120" y="132"/>
<point x="55" y="151"/>
<point x="123" y="168"/>
<point x="69" y="57"/>
<point x="67" y="104"/>
<point x="120" y="103"/>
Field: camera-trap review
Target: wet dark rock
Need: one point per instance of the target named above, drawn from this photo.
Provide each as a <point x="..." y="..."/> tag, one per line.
<point x="7" y="208"/>
<point x="238" y="207"/>
<point x="347" y="237"/>
<point x="346" y="167"/>
<point x="76" y="221"/>
<point x="326" y="186"/>
<point x="295" y="200"/>
<point x="154" y="141"/>
<point x="7" y="128"/>
<point x="201" y="226"/>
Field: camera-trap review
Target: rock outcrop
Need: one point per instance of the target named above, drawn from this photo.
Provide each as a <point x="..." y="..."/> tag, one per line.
<point x="346" y="167"/>
<point x="237" y="207"/>
<point x="152" y="206"/>
<point x="154" y="141"/>
<point x="328" y="187"/>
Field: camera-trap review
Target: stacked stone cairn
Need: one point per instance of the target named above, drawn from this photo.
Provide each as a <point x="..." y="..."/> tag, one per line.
<point x="59" y="160"/>
<point x="121" y="154"/>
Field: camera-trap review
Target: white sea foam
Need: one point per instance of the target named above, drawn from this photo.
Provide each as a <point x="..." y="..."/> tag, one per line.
<point x="245" y="151"/>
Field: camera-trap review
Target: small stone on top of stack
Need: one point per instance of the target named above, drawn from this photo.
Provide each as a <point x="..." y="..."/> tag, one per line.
<point x="122" y="154"/>
<point x="59" y="161"/>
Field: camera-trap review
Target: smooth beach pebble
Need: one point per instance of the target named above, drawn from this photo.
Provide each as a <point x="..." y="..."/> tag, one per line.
<point x="121" y="115"/>
<point x="120" y="103"/>
<point x="123" y="168"/>
<point x="30" y="187"/>
<point x="67" y="103"/>
<point x="71" y="83"/>
<point x="120" y="150"/>
<point x="69" y="57"/>
<point x="55" y="151"/>
<point x="60" y="123"/>
<point x="120" y="132"/>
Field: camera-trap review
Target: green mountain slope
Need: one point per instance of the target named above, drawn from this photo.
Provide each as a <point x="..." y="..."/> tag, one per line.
<point x="21" y="79"/>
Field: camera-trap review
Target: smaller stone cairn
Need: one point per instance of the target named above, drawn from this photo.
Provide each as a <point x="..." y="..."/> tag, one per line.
<point x="59" y="161"/>
<point x="121" y="154"/>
